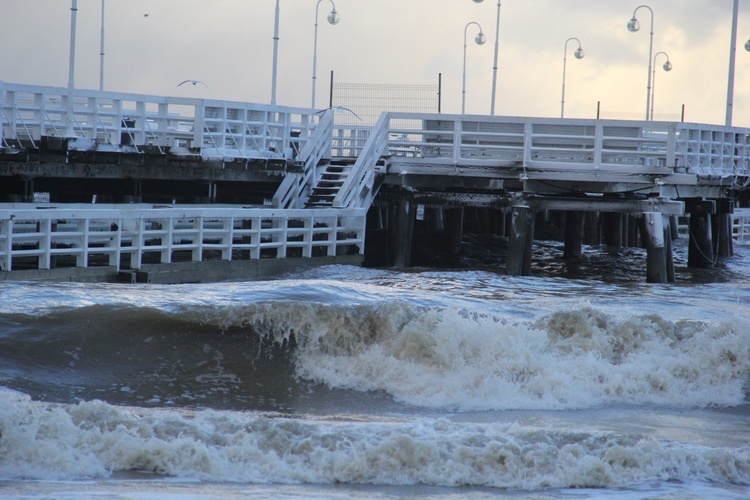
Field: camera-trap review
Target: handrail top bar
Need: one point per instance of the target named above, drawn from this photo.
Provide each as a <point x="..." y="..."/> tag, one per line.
<point x="194" y="101"/>
<point x="396" y="115"/>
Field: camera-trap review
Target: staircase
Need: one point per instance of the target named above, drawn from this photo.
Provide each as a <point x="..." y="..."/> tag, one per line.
<point x="328" y="185"/>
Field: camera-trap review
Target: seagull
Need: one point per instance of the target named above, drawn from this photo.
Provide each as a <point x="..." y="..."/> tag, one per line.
<point x="194" y="82"/>
<point x="338" y="109"/>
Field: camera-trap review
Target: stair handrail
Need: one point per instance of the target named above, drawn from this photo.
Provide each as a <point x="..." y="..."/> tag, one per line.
<point x="357" y="191"/>
<point x="294" y="189"/>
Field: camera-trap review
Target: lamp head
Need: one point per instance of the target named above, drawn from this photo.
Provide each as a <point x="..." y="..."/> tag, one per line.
<point x="333" y="17"/>
<point x="478" y="1"/>
<point x="579" y="53"/>
<point x="480" y="38"/>
<point x="667" y="66"/>
<point x="634" y="25"/>
<point x="747" y="45"/>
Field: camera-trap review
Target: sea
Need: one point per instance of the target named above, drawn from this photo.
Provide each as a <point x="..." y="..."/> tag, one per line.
<point x="449" y="382"/>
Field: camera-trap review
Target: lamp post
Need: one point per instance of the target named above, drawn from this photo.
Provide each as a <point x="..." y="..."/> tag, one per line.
<point x="494" y="63"/>
<point x="479" y="40"/>
<point x="101" y="54"/>
<point x="275" y="53"/>
<point x="667" y="67"/>
<point x="578" y="55"/>
<point x="333" y="18"/>
<point x="633" y="26"/>
<point x="732" y="54"/>
<point x="71" y="66"/>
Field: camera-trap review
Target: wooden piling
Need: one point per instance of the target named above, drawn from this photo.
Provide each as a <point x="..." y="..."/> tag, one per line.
<point x="573" y="235"/>
<point x="402" y="230"/>
<point x="518" y="262"/>
<point x="700" y="247"/>
<point x="454" y="227"/>
<point x="652" y="230"/>
<point x="612" y="229"/>
<point x="722" y="225"/>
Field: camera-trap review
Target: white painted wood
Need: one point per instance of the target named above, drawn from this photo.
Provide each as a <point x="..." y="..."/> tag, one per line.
<point x="82" y="231"/>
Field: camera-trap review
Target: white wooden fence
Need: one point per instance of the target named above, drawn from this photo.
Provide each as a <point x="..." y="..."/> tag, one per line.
<point x="741" y="225"/>
<point x="126" y="236"/>
<point x="116" y="121"/>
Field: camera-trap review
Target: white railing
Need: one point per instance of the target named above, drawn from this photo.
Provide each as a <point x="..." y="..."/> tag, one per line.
<point x="358" y="189"/>
<point x="127" y="236"/>
<point x="741" y="225"/>
<point x="295" y="189"/>
<point x="565" y="143"/>
<point x="114" y="121"/>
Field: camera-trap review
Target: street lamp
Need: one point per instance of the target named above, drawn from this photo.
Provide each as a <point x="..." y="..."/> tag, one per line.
<point x="333" y="18"/>
<point x="494" y="63"/>
<point x="578" y="55"/>
<point x="101" y="54"/>
<point x="479" y="40"/>
<point x="275" y="53"/>
<point x="633" y="26"/>
<point x="667" y="67"/>
<point x="71" y="66"/>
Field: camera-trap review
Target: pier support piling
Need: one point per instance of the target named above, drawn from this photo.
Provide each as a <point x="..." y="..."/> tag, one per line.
<point x="658" y="259"/>
<point x="454" y="227"/>
<point x="700" y="248"/>
<point x="573" y="235"/>
<point x="520" y="244"/>
<point x="402" y="230"/>
<point x="612" y="229"/>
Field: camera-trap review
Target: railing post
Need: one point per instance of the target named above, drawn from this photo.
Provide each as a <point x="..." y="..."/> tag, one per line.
<point x="458" y="130"/>
<point x="116" y="241"/>
<point x="528" y="130"/>
<point x="6" y="231"/>
<point x="598" y="144"/>
<point x="82" y="259"/>
<point x="45" y="243"/>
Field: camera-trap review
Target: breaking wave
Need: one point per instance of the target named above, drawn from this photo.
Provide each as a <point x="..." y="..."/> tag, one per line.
<point x="450" y="359"/>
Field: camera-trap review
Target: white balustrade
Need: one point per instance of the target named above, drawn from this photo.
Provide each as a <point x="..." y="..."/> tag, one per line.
<point x="127" y="236"/>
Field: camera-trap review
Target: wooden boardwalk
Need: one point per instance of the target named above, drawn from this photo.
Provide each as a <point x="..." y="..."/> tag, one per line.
<point x="320" y="180"/>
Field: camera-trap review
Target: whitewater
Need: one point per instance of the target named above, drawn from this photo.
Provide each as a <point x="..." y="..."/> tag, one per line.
<point x="346" y="382"/>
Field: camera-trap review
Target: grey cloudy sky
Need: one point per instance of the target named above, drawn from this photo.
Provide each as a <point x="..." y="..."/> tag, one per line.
<point x="228" y="44"/>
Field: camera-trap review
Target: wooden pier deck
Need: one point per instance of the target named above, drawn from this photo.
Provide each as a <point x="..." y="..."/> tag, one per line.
<point x="294" y="172"/>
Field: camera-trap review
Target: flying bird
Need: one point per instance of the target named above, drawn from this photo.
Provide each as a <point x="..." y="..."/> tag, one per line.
<point x="338" y="109"/>
<point x="194" y="82"/>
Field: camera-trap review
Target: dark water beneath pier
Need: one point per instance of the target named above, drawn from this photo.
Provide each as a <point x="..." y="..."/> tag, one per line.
<point x="581" y="381"/>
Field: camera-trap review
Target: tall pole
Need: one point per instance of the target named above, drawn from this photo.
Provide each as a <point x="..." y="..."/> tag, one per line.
<point x="315" y="53"/>
<point x="71" y="65"/>
<point x="494" y="65"/>
<point x="667" y="67"/>
<point x="732" y="54"/>
<point x="333" y="18"/>
<point x="633" y="26"/>
<point x="579" y="55"/>
<point x="275" y="53"/>
<point x="479" y="40"/>
<point x="101" y="54"/>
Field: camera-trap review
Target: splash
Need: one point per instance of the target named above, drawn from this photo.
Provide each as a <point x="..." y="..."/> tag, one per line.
<point x="94" y="440"/>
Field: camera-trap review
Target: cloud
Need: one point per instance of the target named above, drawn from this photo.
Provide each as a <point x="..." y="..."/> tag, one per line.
<point x="229" y="45"/>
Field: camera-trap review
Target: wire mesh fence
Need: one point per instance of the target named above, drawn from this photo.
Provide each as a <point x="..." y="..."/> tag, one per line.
<point x="361" y="104"/>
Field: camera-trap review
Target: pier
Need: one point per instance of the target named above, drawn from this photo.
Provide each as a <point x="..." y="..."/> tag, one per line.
<point x="164" y="189"/>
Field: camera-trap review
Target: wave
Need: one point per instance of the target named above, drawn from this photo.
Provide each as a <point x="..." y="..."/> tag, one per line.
<point x="264" y="355"/>
<point x="94" y="440"/>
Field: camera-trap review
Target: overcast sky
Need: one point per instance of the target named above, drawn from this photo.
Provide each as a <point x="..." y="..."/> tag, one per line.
<point x="152" y="45"/>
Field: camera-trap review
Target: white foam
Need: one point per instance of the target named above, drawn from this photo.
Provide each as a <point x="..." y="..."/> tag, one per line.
<point x="579" y="358"/>
<point x="93" y="439"/>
